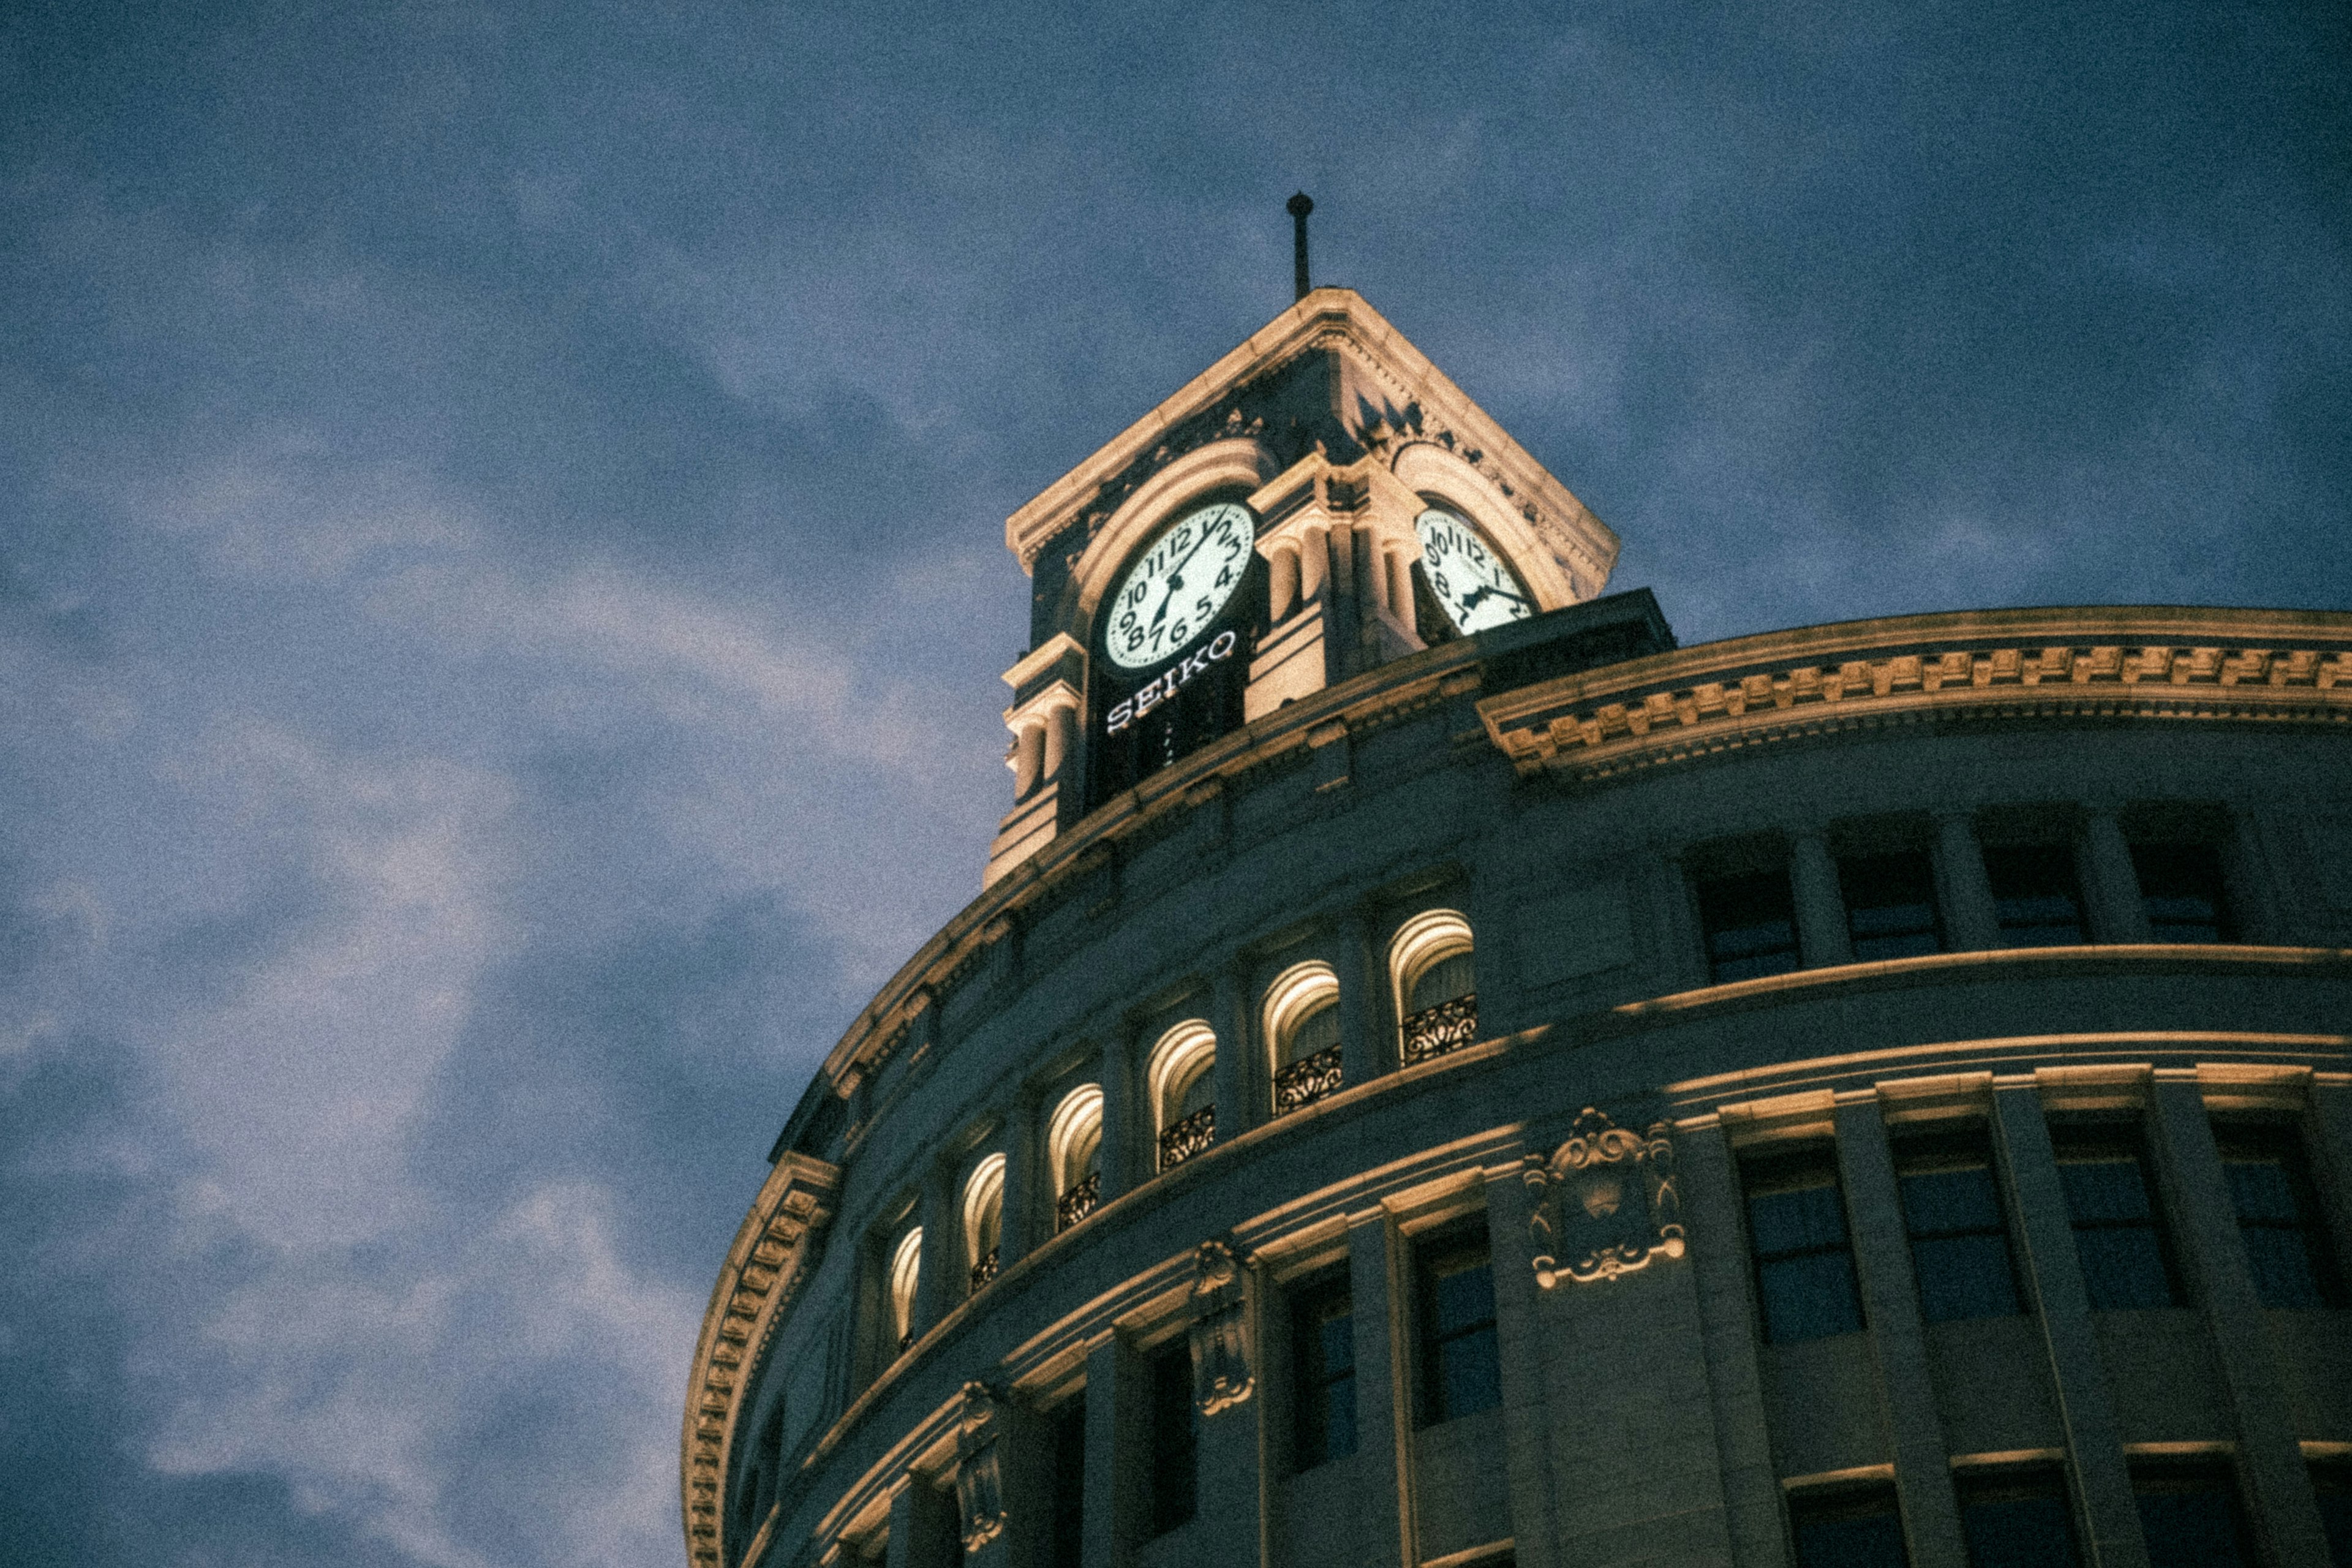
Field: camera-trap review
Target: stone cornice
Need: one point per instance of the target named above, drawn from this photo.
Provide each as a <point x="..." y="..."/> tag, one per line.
<point x="2119" y="663"/>
<point x="1341" y="320"/>
<point x="765" y="1269"/>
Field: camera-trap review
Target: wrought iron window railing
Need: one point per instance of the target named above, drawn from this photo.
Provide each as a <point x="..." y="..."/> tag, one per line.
<point x="1188" y="1137"/>
<point x="1078" y="1202"/>
<point x="1448" y="1027"/>
<point x="1307" y="1080"/>
<point x="905" y="1340"/>
<point x="986" y="1270"/>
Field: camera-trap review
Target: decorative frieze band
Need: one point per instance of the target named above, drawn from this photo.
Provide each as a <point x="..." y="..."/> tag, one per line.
<point x="765" y="1269"/>
<point x="1595" y="724"/>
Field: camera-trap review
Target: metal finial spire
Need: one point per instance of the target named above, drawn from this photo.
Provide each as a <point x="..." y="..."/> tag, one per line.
<point x="1301" y="205"/>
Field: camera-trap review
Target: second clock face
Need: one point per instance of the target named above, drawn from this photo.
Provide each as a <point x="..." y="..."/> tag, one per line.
<point x="1466" y="576"/>
<point x="1178" y="585"/>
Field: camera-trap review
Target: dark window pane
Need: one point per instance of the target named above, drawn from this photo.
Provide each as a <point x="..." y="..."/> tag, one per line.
<point x="2182" y="886"/>
<point x="2025" y="1525"/>
<point x="1890" y="905"/>
<point x="1804" y="1263"/>
<point x="1445" y="980"/>
<point x="1959" y="1236"/>
<point x="2117" y="1237"/>
<point x="2035" y="895"/>
<point x="1955" y="1197"/>
<point x="1174" y="1494"/>
<point x="2288" y="1249"/>
<point x="1323" y="1374"/>
<point x="2332" y="1485"/>
<point x="1070" y="1484"/>
<point x="1965" y="1277"/>
<point x="1751" y="926"/>
<point x="2190" y="1519"/>
<point x="1461" y="1363"/>
<point x="1853" y="1531"/>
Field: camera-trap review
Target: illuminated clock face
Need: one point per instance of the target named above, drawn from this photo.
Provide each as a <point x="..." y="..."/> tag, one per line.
<point x="1467" y="576"/>
<point x="1171" y="594"/>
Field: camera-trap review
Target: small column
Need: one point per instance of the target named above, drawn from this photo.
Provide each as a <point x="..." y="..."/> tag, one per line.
<point x="1383" y="1399"/>
<point x="1520" y="1342"/>
<point x="1314" y="561"/>
<point x="1125" y="1125"/>
<point x="1024" y="1180"/>
<point x="940" y="1287"/>
<point x="1898" y="1338"/>
<point x="1365" y="1052"/>
<point x="1028" y="748"/>
<point x="1118" y="1496"/>
<point x="1820" y="907"/>
<point x="1060" y="728"/>
<point x="1971" y="920"/>
<point x="2110" y="885"/>
<point x="1681" y="949"/>
<point x="1281" y="580"/>
<point x="2054" y="1275"/>
<point x="1242" y="1101"/>
<point x="2286" y="1513"/>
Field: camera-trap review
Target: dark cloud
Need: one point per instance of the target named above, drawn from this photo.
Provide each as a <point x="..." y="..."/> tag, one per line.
<point x="501" y="592"/>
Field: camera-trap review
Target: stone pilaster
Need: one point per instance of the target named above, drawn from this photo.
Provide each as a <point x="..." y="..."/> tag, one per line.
<point x="1972" y="922"/>
<point x="1820" y="907"/>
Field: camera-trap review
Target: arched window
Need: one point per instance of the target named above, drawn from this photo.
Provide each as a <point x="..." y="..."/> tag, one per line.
<point x="905" y="1271"/>
<point x="1436" y="984"/>
<point x="1074" y="1143"/>
<point x="983" y="1217"/>
<point x="1184" y="1091"/>
<point x="1302" y="1029"/>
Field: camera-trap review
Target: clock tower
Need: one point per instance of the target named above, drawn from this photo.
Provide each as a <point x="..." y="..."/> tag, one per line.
<point x="1319" y="501"/>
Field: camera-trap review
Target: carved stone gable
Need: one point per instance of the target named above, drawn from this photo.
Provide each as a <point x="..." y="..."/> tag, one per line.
<point x="1604" y="1203"/>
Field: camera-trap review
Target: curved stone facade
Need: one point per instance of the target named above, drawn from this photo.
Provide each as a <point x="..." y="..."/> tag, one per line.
<point x="1555" y="1098"/>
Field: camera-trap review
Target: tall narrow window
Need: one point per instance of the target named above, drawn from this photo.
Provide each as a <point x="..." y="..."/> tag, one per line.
<point x="1890" y="905"/>
<point x="1959" y="1239"/>
<point x="1322" y="1373"/>
<point x="906" y="1272"/>
<point x="1302" y="1026"/>
<point x="1074" y="1143"/>
<point x="2279" y="1216"/>
<point x="1461" y="1365"/>
<point x="1804" y="1260"/>
<point x="2190" y="1517"/>
<point x="2331" y="1482"/>
<point x="1184" y="1091"/>
<point x="983" y="1218"/>
<point x="1069" y="1482"/>
<point x="2182" y="886"/>
<point x="1853" y="1529"/>
<point x="1750" y="923"/>
<point x="1175" y="1492"/>
<point x="2017" y="1519"/>
<point x="2111" y="1199"/>
<point x="2035" y="895"/>
<point x="1437" y="980"/>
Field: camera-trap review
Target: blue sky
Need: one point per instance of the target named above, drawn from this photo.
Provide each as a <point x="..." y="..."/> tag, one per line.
<point x="502" y="590"/>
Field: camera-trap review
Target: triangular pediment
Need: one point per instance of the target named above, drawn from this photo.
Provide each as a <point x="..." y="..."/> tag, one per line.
<point x="1330" y="372"/>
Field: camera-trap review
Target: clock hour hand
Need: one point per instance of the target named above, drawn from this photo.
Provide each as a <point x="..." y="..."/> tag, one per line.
<point x="1485" y="591"/>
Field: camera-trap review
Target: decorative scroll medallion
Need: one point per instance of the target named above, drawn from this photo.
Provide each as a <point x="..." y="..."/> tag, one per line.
<point x="979" y="1482"/>
<point x="1221" y="1369"/>
<point x="1605" y="1201"/>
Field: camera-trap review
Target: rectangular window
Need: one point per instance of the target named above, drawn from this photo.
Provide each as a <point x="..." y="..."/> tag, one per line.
<point x="2111" y="1199"/>
<point x="1175" y="1454"/>
<point x="1751" y="926"/>
<point x="1461" y="1367"/>
<point x="2332" y="1484"/>
<point x="1960" y="1235"/>
<point x="2190" y="1517"/>
<point x="2035" y="895"/>
<point x="1322" y="1373"/>
<point x="1804" y="1262"/>
<point x="2182" y="886"/>
<point x="1890" y="905"/>
<point x="2017" y="1519"/>
<point x="1069" y="1481"/>
<point x="2279" y="1216"/>
<point x="1858" y="1528"/>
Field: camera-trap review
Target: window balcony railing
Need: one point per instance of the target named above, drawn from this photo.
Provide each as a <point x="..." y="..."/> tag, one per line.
<point x="1078" y="1202"/>
<point x="1188" y="1137"/>
<point x="986" y="1270"/>
<point x="1448" y="1027"/>
<point x="1307" y="1080"/>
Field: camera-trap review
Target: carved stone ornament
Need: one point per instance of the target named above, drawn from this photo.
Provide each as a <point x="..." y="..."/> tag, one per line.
<point x="980" y="1482"/>
<point x="1221" y="1368"/>
<point x="1604" y="1200"/>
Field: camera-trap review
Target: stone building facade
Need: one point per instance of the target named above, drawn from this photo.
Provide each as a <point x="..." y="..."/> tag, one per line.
<point x="1440" y="1075"/>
